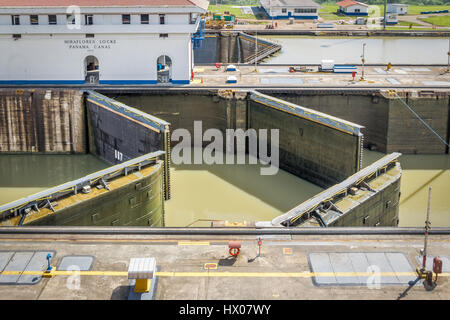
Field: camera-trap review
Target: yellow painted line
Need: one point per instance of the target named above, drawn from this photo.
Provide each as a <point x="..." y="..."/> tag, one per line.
<point x="305" y="274"/>
<point x="193" y="243"/>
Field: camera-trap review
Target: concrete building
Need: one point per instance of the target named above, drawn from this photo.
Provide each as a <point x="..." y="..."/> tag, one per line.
<point x="285" y="9"/>
<point x="391" y="18"/>
<point x="103" y="41"/>
<point x="399" y="8"/>
<point x="353" y="8"/>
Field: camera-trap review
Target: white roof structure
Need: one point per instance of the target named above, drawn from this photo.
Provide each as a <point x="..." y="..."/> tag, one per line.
<point x="289" y="3"/>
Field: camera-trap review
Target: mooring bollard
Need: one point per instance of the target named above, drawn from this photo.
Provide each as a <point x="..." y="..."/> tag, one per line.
<point x="234" y="248"/>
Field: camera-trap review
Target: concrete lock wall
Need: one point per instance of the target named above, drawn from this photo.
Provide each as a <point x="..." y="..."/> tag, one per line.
<point x="218" y="47"/>
<point x="59" y="121"/>
<point x="313" y="151"/>
<point x="45" y="121"/>
<point x="138" y="203"/>
<point x="116" y="137"/>
<point x="388" y="125"/>
<point x="182" y="109"/>
<point x="233" y="47"/>
<point x="210" y="50"/>
<point x="406" y="134"/>
<point x="118" y="133"/>
<point x="379" y="210"/>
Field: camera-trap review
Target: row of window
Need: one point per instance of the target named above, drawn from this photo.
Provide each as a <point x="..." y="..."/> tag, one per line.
<point x="309" y="10"/>
<point x="89" y="35"/>
<point x="89" y="19"/>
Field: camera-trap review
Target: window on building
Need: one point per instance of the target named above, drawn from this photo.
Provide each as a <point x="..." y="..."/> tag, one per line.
<point x="283" y="10"/>
<point x="145" y="19"/>
<point x="357" y="10"/>
<point x="90" y="35"/>
<point x="16" y="36"/>
<point x="52" y="19"/>
<point x="70" y="19"/>
<point x="162" y="19"/>
<point x="89" y="19"/>
<point x="34" y="19"/>
<point x="15" y="20"/>
<point x="126" y="19"/>
<point x="163" y="35"/>
<point x="192" y="18"/>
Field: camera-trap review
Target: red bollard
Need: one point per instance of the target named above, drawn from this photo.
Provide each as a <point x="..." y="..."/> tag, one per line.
<point x="353" y="75"/>
<point x="234" y="248"/>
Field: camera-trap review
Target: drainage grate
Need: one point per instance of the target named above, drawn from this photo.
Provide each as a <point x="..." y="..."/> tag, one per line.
<point x="18" y="262"/>
<point x="78" y="263"/>
<point x="281" y="81"/>
<point x="337" y="268"/>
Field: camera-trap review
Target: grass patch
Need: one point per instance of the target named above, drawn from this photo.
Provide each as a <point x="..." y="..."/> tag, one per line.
<point x="236" y="11"/>
<point x="441" y="21"/>
<point x="329" y="12"/>
<point x="407" y="28"/>
<point x="407" y="23"/>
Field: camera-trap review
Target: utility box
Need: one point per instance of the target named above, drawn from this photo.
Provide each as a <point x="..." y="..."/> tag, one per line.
<point x="231" y="67"/>
<point x="391" y="18"/>
<point x="437" y="265"/>
<point x="142" y="270"/>
<point x="360" y="21"/>
<point x="327" y="65"/>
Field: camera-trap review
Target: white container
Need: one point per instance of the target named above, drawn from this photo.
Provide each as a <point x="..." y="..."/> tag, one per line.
<point x="231" y="67"/>
<point x="231" y="79"/>
<point x="327" y="64"/>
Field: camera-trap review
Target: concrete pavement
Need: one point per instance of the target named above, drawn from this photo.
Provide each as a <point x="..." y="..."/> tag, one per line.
<point x="282" y="272"/>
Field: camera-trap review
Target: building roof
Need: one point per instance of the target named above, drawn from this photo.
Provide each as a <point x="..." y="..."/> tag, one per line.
<point x="398" y="4"/>
<point x="105" y="3"/>
<point x="349" y="3"/>
<point x="289" y="3"/>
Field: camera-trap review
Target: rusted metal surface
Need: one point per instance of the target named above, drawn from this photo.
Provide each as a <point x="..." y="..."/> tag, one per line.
<point x="44" y="121"/>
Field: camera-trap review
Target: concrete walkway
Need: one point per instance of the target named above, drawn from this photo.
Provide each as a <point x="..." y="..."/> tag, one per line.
<point x="282" y="272"/>
<point x="375" y="76"/>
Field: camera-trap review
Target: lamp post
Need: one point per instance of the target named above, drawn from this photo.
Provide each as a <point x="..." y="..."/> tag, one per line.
<point x="427" y="228"/>
<point x="363" y="60"/>
<point x="256" y="52"/>
<point x="384" y="20"/>
<point x="448" y="55"/>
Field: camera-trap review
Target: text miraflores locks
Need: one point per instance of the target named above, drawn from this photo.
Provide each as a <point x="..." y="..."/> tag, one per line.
<point x="90" y="43"/>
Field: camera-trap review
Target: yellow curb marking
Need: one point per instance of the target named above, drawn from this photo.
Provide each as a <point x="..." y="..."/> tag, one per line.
<point x="193" y="243"/>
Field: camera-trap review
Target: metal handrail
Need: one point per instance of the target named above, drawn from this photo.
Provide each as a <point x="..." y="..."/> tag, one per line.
<point x="73" y="186"/>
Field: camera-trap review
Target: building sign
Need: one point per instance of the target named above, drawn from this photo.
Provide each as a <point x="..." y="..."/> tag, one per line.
<point x="89" y="44"/>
